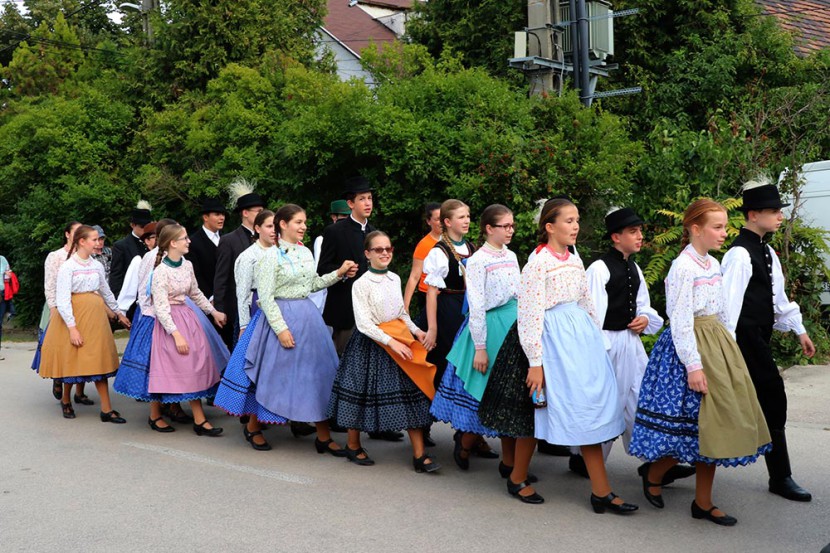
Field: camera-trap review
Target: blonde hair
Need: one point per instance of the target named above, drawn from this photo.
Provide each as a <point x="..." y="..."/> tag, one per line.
<point x="165" y="237"/>
<point x="447" y="209"/>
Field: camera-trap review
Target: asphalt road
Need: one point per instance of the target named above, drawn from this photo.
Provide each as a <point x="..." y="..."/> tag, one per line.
<point x="82" y="485"/>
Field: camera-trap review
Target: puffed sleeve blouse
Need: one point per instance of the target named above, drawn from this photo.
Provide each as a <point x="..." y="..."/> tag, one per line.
<point x="171" y="285"/>
<point x="493" y="279"/>
<point x="377" y="299"/>
<point x="77" y="276"/>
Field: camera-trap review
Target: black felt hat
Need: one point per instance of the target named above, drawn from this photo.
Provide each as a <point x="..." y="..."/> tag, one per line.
<point x="140" y="216"/>
<point x="213" y="205"/>
<point x="248" y="201"/>
<point x="762" y="197"/>
<point x="356" y="185"/>
<point x="621" y="219"/>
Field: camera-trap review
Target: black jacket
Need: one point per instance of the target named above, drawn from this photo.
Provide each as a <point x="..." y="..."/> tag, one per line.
<point x="224" y="284"/>
<point x="123" y="253"/>
<point x="203" y="256"/>
<point x="341" y="241"/>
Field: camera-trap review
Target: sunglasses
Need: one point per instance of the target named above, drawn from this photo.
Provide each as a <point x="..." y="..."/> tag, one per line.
<point x="380" y="250"/>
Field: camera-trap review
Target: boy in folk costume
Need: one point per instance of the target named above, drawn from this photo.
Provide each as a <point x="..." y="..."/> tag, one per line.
<point x="757" y="303"/>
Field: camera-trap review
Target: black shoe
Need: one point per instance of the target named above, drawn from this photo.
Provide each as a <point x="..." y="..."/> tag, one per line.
<point x="656" y="500"/>
<point x="83" y="400"/>
<point x="244" y="419"/>
<point x="462" y="462"/>
<point x="112" y="416"/>
<point x="323" y="447"/>
<point x="200" y="429"/>
<point x="250" y="437"/>
<point x="600" y="504"/>
<point x="677" y="472"/>
<point x="553" y="449"/>
<point x="420" y="464"/>
<point x="576" y="464"/>
<point x="300" y="429"/>
<point x="482" y="449"/>
<point x="57" y="390"/>
<point x="68" y="411"/>
<point x="352" y="455"/>
<point x="514" y="489"/>
<point x="163" y="429"/>
<point x="699" y="513"/>
<point x="505" y="471"/>
<point x="175" y="413"/>
<point x="788" y="489"/>
<point x="386" y="435"/>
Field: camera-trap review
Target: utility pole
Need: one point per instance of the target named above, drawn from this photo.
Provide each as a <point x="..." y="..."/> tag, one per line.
<point x="146" y="7"/>
<point x="540" y="44"/>
<point x="581" y="56"/>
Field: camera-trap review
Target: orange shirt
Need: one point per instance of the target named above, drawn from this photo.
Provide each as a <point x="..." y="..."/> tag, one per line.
<point x="421" y="252"/>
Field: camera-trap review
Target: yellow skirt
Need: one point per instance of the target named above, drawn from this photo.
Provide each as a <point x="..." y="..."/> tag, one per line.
<point x="60" y="359"/>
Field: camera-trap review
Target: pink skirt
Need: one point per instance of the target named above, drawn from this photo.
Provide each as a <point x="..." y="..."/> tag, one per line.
<point x="174" y="373"/>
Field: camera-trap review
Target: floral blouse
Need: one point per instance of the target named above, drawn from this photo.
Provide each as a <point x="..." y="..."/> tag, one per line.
<point x="549" y="280"/>
<point x="694" y="288"/>
<point x="287" y="272"/>
<point x="243" y="274"/>
<point x="376" y="299"/>
<point x="77" y="276"/>
<point x="50" y="274"/>
<point x="171" y="285"/>
<point x="493" y="278"/>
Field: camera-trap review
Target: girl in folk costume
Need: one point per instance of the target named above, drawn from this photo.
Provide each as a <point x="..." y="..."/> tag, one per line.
<point x="697" y="403"/>
<point x="133" y="378"/>
<point x="284" y="365"/>
<point x="566" y="352"/>
<point x="78" y="346"/>
<point x="384" y="382"/>
<point x="245" y="264"/>
<point x="492" y="284"/>
<point x="183" y="365"/>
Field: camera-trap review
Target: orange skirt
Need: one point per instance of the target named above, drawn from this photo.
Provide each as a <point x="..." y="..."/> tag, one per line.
<point x="60" y="359"/>
<point x="418" y="369"/>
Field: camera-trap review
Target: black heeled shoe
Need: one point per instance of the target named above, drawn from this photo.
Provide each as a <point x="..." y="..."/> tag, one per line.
<point x="600" y="504"/>
<point x="352" y="455"/>
<point x="462" y="462"/>
<point x="200" y="429"/>
<point x="514" y="489"/>
<point x="506" y="470"/>
<point x="83" y="400"/>
<point x="699" y="513"/>
<point x="163" y="429"/>
<point x="420" y="464"/>
<point x="301" y="429"/>
<point x="656" y="500"/>
<point x="323" y="447"/>
<point x="68" y="411"/>
<point x="250" y="437"/>
<point x="57" y="390"/>
<point x="576" y="464"/>
<point x="112" y="416"/>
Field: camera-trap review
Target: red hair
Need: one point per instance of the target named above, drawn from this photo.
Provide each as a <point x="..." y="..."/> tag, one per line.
<point x="697" y="214"/>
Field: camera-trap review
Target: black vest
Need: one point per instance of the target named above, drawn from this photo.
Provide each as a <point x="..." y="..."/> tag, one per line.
<point x="622" y="290"/>
<point x="454" y="280"/>
<point x="757" y="308"/>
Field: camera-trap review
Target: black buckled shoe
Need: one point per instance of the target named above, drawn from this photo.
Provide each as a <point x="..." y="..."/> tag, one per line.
<point x="300" y="429"/>
<point x="323" y="447"/>
<point x="353" y="455"/>
<point x="57" y="390"/>
<point x="677" y="472"/>
<point x="420" y="464"/>
<point x="112" y="416"/>
<point x="656" y="500"/>
<point x="163" y="429"/>
<point x="200" y="429"/>
<point x="68" y="411"/>
<point x="788" y="489"/>
<point x="514" y="489"/>
<point x="83" y="400"/>
<point x="250" y="437"/>
<point x="506" y="470"/>
<point x="700" y="513"/>
<point x="462" y="462"/>
<point x="600" y="504"/>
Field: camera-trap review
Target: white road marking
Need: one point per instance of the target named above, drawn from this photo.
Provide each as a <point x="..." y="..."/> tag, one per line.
<point x="188" y="456"/>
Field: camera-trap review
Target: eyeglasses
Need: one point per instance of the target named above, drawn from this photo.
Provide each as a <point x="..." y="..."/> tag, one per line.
<point x="506" y="226"/>
<point x="380" y="250"/>
<point x="187" y="238"/>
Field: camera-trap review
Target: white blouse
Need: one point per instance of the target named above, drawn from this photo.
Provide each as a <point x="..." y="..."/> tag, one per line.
<point x="77" y="276"/>
<point x="50" y="274"/>
<point x="243" y="274"/>
<point x="547" y="282"/>
<point x="376" y="299"/>
<point x="493" y="278"/>
<point x="737" y="270"/>
<point x="437" y="265"/>
<point x="598" y="277"/>
<point x="145" y="269"/>
<point x="171" y="285"/>
<point x="694" y="288"/>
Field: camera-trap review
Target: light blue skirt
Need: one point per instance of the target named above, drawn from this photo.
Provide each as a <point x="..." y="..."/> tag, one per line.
<point x="583" y="404"/>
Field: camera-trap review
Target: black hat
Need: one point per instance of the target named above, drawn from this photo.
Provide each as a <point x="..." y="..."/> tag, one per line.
<point x="620" y="219"/>
<point x="212" y="205"/>
<point x="248" y="201"/>
<point x="765" y="196"/>
<point x="356" y="185"/>
<point x="141" y="214"/>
